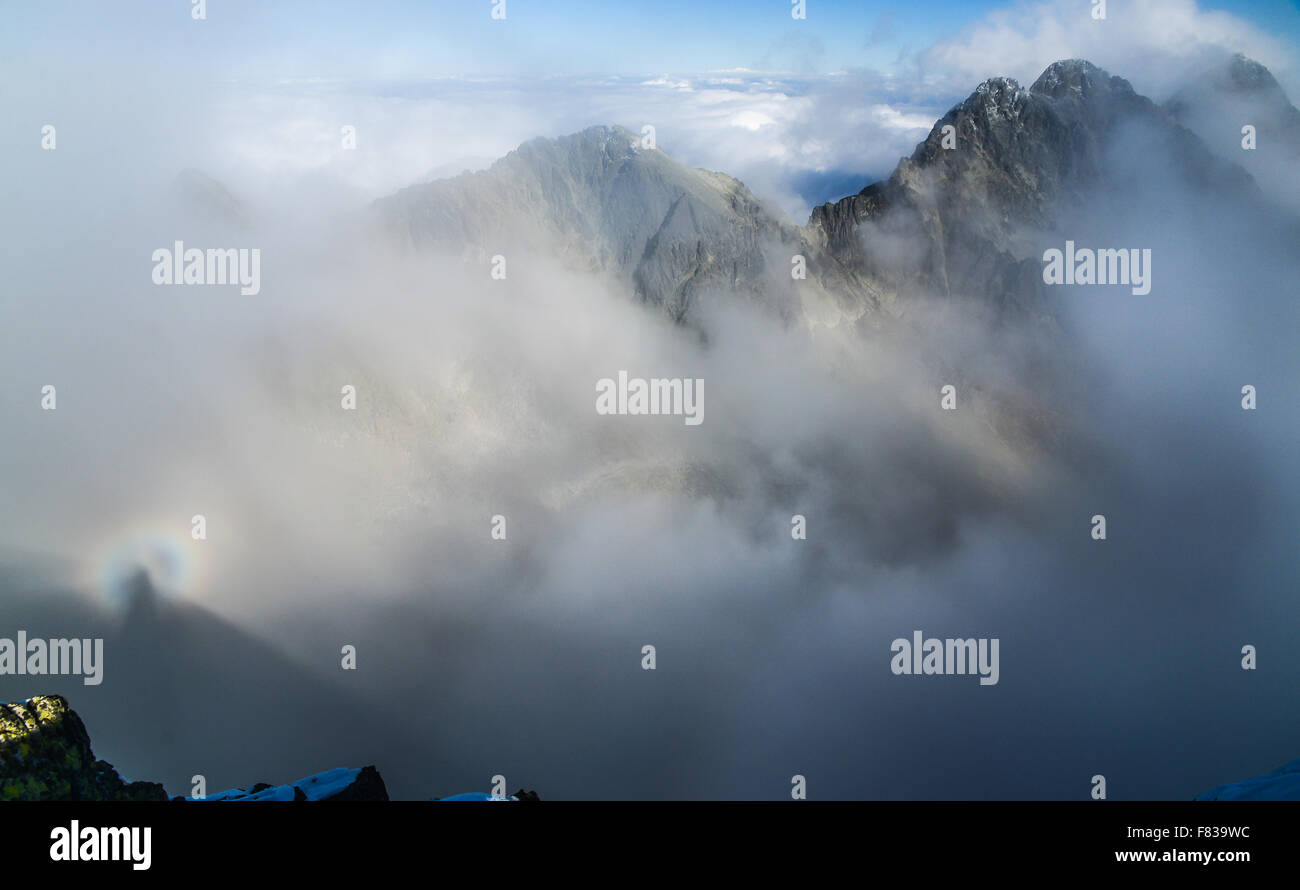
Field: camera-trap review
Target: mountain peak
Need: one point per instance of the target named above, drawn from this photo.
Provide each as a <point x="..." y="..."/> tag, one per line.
<point x="1077" y="76"/>
<point x="1245" y="75"/>
<point x="611" y="143"/>
<point x="598" y="200"/>
<point x="997" y="93"/>
<point x="1003" y="161"/>
<point x="1226" y="97"/>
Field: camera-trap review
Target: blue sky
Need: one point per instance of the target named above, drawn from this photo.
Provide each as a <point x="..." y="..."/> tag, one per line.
<point x="409" y="38"/>
<point x="256" y="93"/>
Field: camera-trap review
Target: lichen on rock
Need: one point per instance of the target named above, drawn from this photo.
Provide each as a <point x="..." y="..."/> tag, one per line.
<point x="45" y="754"/>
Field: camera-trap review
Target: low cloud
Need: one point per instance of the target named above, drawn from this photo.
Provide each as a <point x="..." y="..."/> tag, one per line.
<point x="476" y="398"/>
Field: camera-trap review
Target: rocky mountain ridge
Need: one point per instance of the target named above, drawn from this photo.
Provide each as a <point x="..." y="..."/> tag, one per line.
<point x="606" y="203"/>
<point x="995" y="170"/>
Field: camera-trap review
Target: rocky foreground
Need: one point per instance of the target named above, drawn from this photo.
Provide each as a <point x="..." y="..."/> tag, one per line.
<point x="45" y="754"/>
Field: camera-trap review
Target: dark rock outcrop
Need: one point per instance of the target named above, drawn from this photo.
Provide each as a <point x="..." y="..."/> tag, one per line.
<point x="45" y="755"/>
<point x="368" y="785"/>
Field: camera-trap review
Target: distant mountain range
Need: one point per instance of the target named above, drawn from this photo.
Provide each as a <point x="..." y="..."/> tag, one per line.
<point x="964" y="203"/>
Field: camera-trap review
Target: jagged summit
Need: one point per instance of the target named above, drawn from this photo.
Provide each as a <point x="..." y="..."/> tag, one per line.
<point x="996" y="94"/>
<point x="1005" y="162"/>
<point x="1077" y="76"/>
<point x="1000" y="165"/>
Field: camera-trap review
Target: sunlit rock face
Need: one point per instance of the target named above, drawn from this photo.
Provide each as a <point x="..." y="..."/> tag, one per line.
<point x="45" y="755"/>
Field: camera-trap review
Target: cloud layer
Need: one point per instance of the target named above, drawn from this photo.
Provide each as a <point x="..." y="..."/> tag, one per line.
<point x="476" y="398"/>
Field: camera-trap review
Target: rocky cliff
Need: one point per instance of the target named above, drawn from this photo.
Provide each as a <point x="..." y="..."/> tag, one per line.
<point x="969" y="200"/>
<point x="45" y="755"/>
